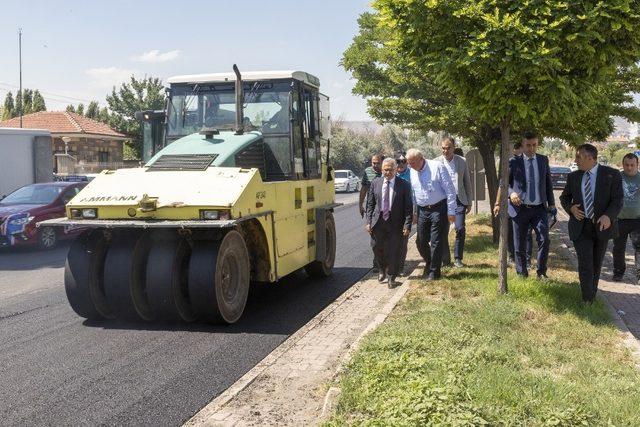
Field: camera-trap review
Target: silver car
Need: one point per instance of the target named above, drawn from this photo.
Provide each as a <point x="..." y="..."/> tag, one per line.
<point x="346" y="180"/>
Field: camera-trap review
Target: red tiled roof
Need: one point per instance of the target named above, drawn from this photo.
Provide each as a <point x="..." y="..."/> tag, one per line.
<point x="62" y="122"/>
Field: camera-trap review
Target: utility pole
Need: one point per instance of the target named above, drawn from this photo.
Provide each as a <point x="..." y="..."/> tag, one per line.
<point x="20" y="65"/>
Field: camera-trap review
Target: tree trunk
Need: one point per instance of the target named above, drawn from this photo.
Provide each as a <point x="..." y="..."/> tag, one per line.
<point x="505" y="153"/>
<point x="487" y="151"/>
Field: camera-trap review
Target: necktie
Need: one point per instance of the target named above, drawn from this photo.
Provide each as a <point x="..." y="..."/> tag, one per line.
<point x="588" y="197"/>
<point x="532" y="182"/>
<point x="385" y="201"/>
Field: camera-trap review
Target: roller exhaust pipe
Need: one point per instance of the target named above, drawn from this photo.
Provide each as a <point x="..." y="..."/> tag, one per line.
<point x="239" y="102"/>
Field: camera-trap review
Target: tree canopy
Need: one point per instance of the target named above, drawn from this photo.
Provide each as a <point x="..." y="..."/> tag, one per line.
<point x="33" y="103"/>
<point x="137" y="95"/>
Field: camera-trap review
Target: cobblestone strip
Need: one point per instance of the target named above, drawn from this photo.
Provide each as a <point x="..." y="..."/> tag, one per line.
<point x="288" y="386"/>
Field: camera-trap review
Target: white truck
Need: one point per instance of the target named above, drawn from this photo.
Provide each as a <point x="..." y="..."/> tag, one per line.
<point x="25" y="158"/>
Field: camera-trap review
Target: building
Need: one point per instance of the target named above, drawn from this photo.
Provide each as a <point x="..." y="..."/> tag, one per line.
<point x="88" y="141"/>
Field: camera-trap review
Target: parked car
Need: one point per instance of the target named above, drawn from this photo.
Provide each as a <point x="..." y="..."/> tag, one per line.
<point x="559" y="176"/>
<point x="346" y="180"/>
<point x="21" y="210"/>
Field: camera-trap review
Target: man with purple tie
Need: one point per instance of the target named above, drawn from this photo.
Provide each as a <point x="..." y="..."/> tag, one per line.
<point x="388" y="219"/>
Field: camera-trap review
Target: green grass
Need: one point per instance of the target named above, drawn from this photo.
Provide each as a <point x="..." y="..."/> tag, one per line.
<point x="456" y="353"/>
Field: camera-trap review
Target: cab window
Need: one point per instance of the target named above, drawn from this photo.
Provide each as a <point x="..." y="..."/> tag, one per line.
<point x="311" y="134"/>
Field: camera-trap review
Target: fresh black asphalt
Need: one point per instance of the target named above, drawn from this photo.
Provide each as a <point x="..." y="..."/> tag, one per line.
<point x="58" y="369"/>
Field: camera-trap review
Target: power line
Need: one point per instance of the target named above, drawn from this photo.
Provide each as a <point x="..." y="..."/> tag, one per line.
<point x="50" y="93"/>
<point x="47" y="98"/>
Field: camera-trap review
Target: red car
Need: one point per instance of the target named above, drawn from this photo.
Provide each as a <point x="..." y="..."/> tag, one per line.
<point x="21" y="210"/>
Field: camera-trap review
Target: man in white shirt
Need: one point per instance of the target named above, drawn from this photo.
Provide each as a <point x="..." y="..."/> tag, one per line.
<point x="457" y="168"/>
<point x="435" y="199"/>
<point x="388" y="219"/>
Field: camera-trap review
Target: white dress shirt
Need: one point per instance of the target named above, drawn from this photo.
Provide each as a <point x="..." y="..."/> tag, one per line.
<point x="433" y="184"/>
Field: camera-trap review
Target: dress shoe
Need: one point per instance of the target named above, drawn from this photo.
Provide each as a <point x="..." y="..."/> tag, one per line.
<point x="617" y="278"/>
<point x="382" y="277"/>
<point x="392" y="282"/>
<point x="543" y="277"/>
<point x="458" y="264"/>
<point x="431" y="277"/>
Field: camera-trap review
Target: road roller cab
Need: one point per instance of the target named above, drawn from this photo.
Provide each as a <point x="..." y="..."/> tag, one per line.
<point x="235" y="190"/>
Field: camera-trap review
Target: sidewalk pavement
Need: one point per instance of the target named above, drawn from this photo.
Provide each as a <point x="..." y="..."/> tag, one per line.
<point x="289" y="386"/>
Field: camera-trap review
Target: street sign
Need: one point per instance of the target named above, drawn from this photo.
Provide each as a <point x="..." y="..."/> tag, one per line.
<point x="476" y="171"/>
<point x="474" y="161"/>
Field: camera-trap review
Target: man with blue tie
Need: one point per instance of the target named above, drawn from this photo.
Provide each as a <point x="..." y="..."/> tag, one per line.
<point x="593" y="198"/>
<point x="530" y="197"/>
<point x="435" y="200"/>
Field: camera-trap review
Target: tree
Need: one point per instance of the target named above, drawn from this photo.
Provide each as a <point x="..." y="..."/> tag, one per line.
<point x="516" y="64"/>
<point x="27" y="101"/>
<point x="8" y="107"/>
<point x="70" y="108"/>
<point x="137" y="95"/>
<point x="80" y="109"/>
<point x="398" y="91"/>
<point x="18" y="108"/>
<point x="103" y="116"/>
<point x="93" y="110"/>
<point x="38" y="103"/>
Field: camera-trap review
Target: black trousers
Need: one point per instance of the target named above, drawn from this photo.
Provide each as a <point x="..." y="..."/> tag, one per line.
<point x="386" y="241"/>
<point x="433" y="225"/>
<point x="590" y="251"/>
<point x="531" y="218"/>
<point x="630" y="228"/>
<point x="511" y="244"/>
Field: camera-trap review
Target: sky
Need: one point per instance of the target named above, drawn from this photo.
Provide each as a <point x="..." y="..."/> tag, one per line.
<point x="76" y="51"/>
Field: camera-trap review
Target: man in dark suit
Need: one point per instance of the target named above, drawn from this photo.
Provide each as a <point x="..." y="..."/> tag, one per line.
<point x="388" y="219"/>
<point x="530" y="197"/>
<point x="593" y="199"/>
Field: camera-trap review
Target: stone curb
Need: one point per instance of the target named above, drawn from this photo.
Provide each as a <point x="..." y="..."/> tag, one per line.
<point x="334" y="392"/>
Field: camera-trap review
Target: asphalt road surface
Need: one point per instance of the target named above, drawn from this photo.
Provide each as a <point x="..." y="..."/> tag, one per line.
<point x="57" y="368"/>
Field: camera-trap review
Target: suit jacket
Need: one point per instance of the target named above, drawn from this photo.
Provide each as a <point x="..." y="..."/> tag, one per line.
<point x="401" y="214"/>
<point x="606" y="201"/>
<point x="465" y="191"/>
<point x="518" y="181"/>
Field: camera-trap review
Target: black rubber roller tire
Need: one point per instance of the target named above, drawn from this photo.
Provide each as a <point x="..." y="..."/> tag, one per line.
<point x="83" y="276"/>
<point x="125" y="276"/>
<point x="167" y="274"/>
<point x="219" y="275"/>
<point x="323" y="268"/>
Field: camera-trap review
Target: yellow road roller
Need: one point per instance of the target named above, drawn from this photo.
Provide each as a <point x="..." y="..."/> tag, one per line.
<point x="236" y="189"/>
